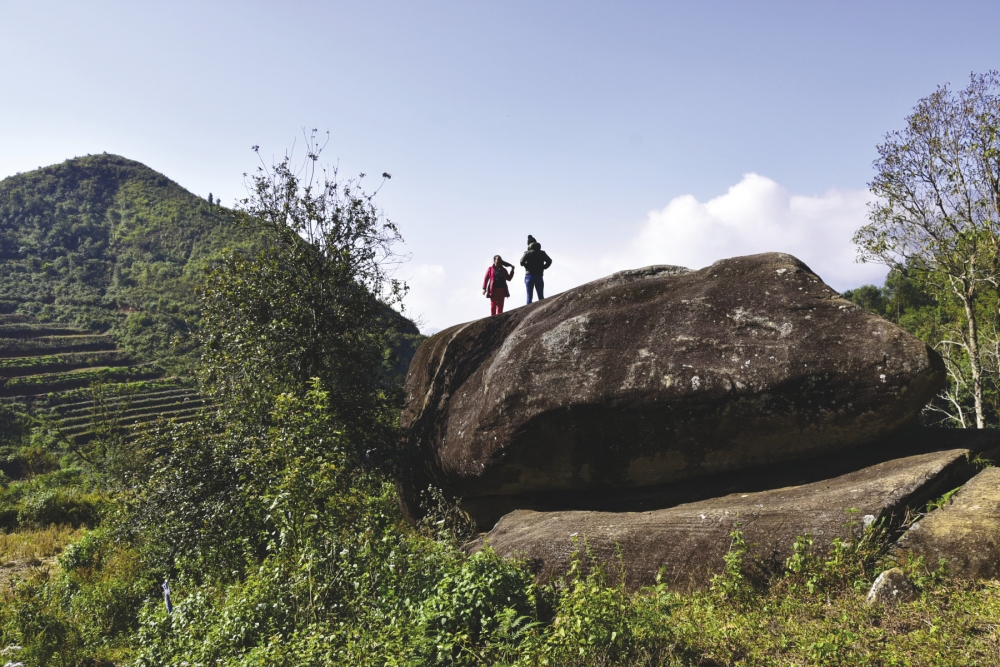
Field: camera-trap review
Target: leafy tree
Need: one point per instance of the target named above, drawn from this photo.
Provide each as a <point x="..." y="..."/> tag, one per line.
<point x="937" y="218"/>
<point x="295" y="338"/>
<point x="904" y="301"/>
<point x="312" y="302"/>
<point x="869" y="297"/>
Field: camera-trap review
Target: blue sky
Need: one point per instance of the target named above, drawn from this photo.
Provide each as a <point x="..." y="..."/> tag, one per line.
<point x="619" y="134"/>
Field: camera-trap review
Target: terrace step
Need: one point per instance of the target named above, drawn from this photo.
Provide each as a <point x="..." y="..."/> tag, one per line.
<point x="33" y="385"/>
<point x="36" y="329"/>
<point x="85" y="435"/>
<point x="24" y="347"/>
<point x="69" y="409"/>
<point x="16" y="318"/>
<point x="56" y="363"/>
<point x="135" y="405"/>
<point x="82" y="397"/>
<point x="172" y="414"/>
<point x="134" y="412"/>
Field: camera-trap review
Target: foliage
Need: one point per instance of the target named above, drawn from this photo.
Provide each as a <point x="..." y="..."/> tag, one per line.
<point x="905" y="300"/>
<point x="275" y="523"/>
<point x="81" y="378"/>
<point x="479" y="606"/>
<point x="108" y="452"/>
<point x="338" y="578"/>
<point x="58" y="362"/>
<point x="98" y="239"/>
<point x="57" y="496"/>
<point x="54" y="344"/>
<point x="34" y="544"/>
<point x="938" y="220"/>
<point x="312" y="302"/>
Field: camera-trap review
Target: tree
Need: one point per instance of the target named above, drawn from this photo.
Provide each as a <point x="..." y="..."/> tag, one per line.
<point x="311" y="302"/>
<point x="937" y="218"/>
<point x="295" y="335"/>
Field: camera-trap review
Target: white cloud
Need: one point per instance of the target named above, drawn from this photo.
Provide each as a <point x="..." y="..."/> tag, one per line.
<point x="755" y="215"/>
<point x="437" y="301"/>
<point x="758" y="215"/>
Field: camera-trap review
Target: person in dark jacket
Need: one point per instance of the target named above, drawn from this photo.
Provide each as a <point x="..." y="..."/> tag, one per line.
<point x="495" y="284"/>
<point x="535" y="261"/>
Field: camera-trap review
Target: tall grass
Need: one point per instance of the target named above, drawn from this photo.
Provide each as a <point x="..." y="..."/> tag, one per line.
<point x="35" y="544"/>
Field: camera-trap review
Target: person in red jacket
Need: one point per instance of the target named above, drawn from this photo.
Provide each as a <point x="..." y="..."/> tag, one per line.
<point x="495" y="284"/>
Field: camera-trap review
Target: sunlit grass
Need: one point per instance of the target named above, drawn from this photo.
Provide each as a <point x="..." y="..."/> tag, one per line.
<point x="35" y="544"/>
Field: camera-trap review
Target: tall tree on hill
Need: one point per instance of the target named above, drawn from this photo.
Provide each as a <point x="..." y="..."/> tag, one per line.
<point x="937" y="219"/>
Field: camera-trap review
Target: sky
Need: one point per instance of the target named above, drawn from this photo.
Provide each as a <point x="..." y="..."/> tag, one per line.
<point x="618" y="134"/>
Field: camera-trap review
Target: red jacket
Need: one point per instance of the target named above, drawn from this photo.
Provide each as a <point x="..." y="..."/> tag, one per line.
<point x="495" y="282"/>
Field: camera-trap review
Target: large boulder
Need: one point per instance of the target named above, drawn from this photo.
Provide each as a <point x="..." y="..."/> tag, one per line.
<point x="685" y="545"/>
<point x="653" y="376"/>
<point x="965" y="531"/>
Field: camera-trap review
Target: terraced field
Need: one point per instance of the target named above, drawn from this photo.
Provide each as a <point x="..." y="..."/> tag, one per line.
<point x="50" y="367"/>
<point x="133" y="410"/>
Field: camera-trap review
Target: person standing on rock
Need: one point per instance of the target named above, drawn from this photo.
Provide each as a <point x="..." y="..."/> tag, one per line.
<point x="535" y="261"/>
<point x="495" y="284"/>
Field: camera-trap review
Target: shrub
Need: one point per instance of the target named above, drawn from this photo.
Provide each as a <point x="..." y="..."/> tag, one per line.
<point x="474" y="609"/>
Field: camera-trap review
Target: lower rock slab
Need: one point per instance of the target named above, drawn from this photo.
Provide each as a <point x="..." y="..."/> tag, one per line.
<point x="688" y="542"/>
<point x="965" y="531"/>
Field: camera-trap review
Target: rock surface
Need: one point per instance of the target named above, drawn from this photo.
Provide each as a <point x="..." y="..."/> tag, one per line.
<point x="689" y="541"/>
<point x="890" y="588"/>
<point x="650" y="377"/>
<point x="965" y="531"/>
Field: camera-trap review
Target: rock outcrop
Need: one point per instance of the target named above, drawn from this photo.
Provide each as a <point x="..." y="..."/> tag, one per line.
<point x="891" y="588"/>
<point x="688" y="542"/>
<point x="965" y="531"/>
<point x="652" y="377"/>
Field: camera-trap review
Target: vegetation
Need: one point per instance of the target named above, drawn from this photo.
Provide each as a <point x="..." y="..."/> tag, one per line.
<point x="18" y="347"/>
<point x="25" y="545"/>
<point x="269" y="513"/>
<point x="937" y="222"/>
<point x="106" y="243"/>
<point x="61" y="362"/>
<point x="904" y="300"/>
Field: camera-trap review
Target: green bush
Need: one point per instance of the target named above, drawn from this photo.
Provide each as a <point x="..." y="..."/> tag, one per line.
<point x="46" y="507"/>
<point x="85" y="552"/>
<point x="475" y="610"/>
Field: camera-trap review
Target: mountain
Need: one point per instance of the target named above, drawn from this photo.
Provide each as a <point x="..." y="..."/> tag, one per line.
<point x="101" y="259"/>
<point x="109" y="244"/>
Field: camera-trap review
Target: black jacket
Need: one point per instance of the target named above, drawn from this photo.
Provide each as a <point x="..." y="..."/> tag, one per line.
<point x="535" y="261"/>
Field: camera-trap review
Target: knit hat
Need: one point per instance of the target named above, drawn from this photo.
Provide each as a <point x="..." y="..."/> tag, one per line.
<point x="531" y="239"/>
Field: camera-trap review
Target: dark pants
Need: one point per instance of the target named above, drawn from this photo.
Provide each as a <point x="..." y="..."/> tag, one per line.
<point x="536" y="282"/>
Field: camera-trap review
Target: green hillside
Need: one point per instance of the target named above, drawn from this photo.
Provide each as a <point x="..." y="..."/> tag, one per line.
<point x="49" y="369"/>
<point x="108" y="244"/>
<point x="101" y="262"/>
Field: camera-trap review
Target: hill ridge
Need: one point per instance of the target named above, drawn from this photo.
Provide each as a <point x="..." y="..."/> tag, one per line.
<point x="110" y="244"/>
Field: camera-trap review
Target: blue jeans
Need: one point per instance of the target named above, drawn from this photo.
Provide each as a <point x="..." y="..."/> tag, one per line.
<point x="536" y="282"/>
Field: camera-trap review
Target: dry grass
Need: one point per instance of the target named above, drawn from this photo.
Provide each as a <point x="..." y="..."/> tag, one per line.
<point x="25" y="545"/>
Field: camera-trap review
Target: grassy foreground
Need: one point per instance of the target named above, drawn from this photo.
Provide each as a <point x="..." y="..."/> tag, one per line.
<point x="274" y="518"/>
<point x="410" y="597"/>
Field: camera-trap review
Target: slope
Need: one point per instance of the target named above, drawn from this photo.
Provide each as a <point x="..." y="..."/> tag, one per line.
<point x="111" y="245"/>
